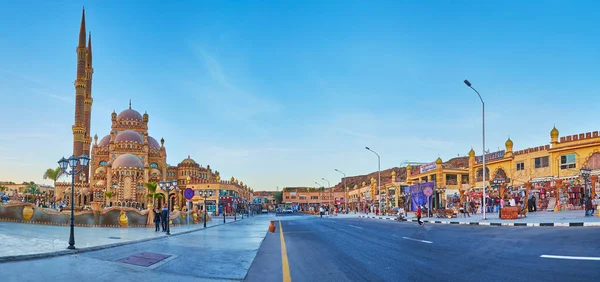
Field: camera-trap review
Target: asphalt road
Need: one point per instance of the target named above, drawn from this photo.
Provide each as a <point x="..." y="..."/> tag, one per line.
<point x="326" y="249"/>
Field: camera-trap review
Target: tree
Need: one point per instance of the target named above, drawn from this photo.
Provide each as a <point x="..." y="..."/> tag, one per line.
<point x="33" y="190"/>
<point x="278" y="197"/>
<point x="53" y="174"/>
<point x="108" y="194"/>
<point x="151" y="186"/>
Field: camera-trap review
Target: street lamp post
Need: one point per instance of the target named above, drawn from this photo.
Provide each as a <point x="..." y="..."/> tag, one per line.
<point x="345" y="190"/>
<point x="379" y="177"/>
<point x="166" y="186"/>
<point x="585" y="173"/>
<point x="483" y="143"/>
<point x="72" y="162"/>
<point x="207" y="193"/>
<point x="330" y="192"/>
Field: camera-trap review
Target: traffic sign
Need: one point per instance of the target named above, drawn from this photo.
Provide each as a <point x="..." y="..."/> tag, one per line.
<point x="428" y="191"/>
<point x="188" y="193"/>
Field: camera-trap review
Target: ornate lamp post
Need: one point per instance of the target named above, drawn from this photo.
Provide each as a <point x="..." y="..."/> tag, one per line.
<point x="167" y="186"/>
<point x="483" y="168"/>
<point x="206" y="194"/>
<point x="330" y="192"/>
<point x="72" y="162"/>
<point x="585" y="173"/>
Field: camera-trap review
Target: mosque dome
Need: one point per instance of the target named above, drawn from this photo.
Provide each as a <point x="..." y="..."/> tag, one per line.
<point x="129" y="114"/>
<point x="472" y="153"/>
<point x="105" y="141"/>
<point x="438" y="161"/>
<point x="127" y="161"/>
<point x="153" y="143"/>
<point x="509" y="143"/>
<point x="188" y="161"/>
<point x="129" y="136"/>
<point x="554" y="132"/>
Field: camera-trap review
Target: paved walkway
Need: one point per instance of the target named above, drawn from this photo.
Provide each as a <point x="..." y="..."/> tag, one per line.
<point x="222" y="253"/>
<point x="544" y="218"/>
<point x="17" y="239"/>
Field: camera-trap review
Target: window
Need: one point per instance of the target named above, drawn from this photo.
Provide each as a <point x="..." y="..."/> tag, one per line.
<point x="541" y="162"/>
<point x="153" y="165"/>
<point x="521" y="165"/>
<point x="103" y="163"/>
<point x="567" y="161"/>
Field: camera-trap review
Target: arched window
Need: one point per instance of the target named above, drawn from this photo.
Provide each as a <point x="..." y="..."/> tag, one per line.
<point x="102" y="163"/>
<point x="154" y="165"/>
<point x="479" y="174"/>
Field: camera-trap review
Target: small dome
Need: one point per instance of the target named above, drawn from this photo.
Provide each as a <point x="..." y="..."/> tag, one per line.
<point x="393" y="173"/>
<point x="153" y="143"/>
<point x="188" y="161"/>
<point x="438" y="161"/>
<point x="129" y="114"/>
<point x="408" y="167"/>
<point x="509" y="143"/>
<point x="129" y="136"/>
<point x="105" y="141"/>
<point x="127" y="161"/>
<point x="471" y="153"/>
<point x="554" y="132"/>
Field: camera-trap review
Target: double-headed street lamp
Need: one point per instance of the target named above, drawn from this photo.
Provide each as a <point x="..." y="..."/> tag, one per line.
<point x="483" y="141"/>
<point x="379" y="176"/>
<point x="72" y="162"/>
<point x="345" y="189"/>
<point x="206" y="194"/>
<point x="167" y="186"/>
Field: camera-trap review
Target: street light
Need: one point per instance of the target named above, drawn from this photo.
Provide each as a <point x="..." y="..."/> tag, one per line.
<point x="328" y="185"/>
<point x="207" y="193"/>
<point x="585" y="173"/>
<point x="345" y="189"/>
<point x="72" y="162"/>
<point x="379" y="176"/>
<point x="166" y="186"/>
<point x="483" y="141"/>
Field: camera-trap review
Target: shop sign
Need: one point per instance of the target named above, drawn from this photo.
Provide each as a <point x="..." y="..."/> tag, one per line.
<point x="500" y="180"/>
<point x="427" y="167"/>
<point x="491" y="156"/>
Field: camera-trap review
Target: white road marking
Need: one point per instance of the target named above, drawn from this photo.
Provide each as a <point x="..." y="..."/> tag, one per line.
<point x="570" y="257"/>
<point x="356" y="226"/>
<point x="422" y="241"/>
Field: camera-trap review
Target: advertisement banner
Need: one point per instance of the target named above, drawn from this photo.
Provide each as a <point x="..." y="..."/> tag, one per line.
<point x="491" y="156"/>
<point x="427" y="167"/>
<point x="417" y="196"/>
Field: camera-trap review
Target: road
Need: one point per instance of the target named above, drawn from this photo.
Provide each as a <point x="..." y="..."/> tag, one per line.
<point x="333" y="249"/>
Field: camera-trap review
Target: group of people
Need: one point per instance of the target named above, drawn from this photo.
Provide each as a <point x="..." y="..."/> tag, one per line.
<point x="160" y="218"/>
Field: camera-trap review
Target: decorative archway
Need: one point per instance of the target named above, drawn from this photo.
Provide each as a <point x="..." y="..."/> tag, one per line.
<point x="593" y="160"/>
<point x="500" y="174"/>
<point x="479" y="174"/>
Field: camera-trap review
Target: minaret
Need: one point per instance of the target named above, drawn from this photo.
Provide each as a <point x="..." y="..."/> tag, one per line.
<point x="88" y="100"/>
<point x="80" y="85"/>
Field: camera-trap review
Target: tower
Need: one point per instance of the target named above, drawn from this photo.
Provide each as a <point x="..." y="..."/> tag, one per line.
<point x="83" y="95"/>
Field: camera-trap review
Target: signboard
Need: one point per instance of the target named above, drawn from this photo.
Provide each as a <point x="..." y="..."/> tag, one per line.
<point x="427" y="191"/>
<point x="500" y="180"/>
<point x="188" y="193"/>
<point x="427" y="167"/>
<point x="491" y="156"/>
<point x="417" y="194"/>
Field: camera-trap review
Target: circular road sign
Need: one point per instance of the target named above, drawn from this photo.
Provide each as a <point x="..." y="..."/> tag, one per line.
<point x="188" y="193"/>
<point x="428" y="191"/>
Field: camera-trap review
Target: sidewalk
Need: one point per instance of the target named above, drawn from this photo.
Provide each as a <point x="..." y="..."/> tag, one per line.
<point x="222" y="253"/>
<point x="19" y="239"/>
<point x="544" y="218"/>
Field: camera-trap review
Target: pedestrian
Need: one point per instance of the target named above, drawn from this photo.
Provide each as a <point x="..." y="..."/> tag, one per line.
<point x="465" y="210"/>
<point x="419" y="216"/>
<point x="163" y="218"/>
<point x="156" y="219"/>
<point x="321" y="211"/>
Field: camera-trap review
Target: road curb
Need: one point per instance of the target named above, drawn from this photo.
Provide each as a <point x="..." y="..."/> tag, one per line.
<point x="97" y="248"/>
<point x="525" y="224"/>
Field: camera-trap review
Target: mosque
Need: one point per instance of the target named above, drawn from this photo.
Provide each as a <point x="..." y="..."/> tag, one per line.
<point x="127" y="158"/>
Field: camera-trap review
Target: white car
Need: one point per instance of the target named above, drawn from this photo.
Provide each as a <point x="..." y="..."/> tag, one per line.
<point x="265" y="211"/>
<point x="288" y="210"/>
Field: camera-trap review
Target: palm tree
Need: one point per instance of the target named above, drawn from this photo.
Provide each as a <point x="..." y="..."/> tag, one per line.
<point x="151" y="186"/>
<point x="32" y="189"/>
<point x="53" y="174"/>
<point x="108" y="194"/>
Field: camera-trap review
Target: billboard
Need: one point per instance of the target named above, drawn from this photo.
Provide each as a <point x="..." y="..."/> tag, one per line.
<point x="490" y="157"/>
<point x="427" y="167"/>
<point x="418" y="198"/>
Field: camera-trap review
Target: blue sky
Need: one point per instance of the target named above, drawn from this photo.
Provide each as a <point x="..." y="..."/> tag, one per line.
<point x="280" y="93"/>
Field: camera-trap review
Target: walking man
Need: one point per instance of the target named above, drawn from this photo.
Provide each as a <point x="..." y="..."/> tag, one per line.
<point x="419" y="215"/>
<point x="163" y="218"/>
